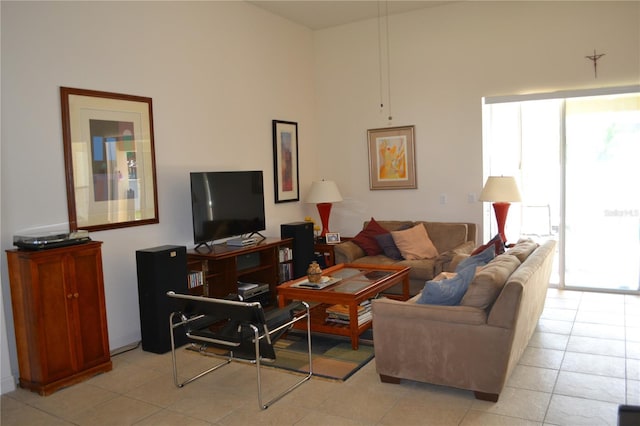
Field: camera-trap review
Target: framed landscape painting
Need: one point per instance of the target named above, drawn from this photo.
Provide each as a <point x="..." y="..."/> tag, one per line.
<point x="285" y="161"/>
<point x="392" y="159"/>
<point x="109" y="159"/>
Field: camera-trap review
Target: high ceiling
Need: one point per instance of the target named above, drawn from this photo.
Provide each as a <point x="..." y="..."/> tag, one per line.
<point x="319" y="14"/>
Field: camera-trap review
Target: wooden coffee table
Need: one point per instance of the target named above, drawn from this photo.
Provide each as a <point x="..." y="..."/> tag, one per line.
<point x="357" y="283"/>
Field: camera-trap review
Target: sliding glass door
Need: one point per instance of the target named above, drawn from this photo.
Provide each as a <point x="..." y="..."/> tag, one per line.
<point x="602" y="192"/>
<point x="577" y="161"/>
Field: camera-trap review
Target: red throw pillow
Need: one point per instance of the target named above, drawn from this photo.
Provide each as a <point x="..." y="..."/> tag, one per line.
<point x="496" y="241"/>
<point x="366" y="239"/>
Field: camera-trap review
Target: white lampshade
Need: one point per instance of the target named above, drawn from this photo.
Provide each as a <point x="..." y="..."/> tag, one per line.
<point x="324" y="191"/>
<point x="501" y="189"/>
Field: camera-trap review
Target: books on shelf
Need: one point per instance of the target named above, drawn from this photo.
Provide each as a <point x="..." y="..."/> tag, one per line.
<point x="339" y="314"/>
<point x="195" y="279"/>
<point x="286" y="272"/>
<point x="285" y="254"/>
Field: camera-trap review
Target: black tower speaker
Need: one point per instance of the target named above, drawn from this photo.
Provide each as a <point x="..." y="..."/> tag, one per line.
<point x="303" y="251"/>
<point x="160" y="269"/>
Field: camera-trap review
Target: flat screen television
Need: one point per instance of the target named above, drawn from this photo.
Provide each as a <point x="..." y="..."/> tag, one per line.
<point x="226" y="204"/>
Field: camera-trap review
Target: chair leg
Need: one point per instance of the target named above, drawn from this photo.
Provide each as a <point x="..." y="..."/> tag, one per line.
<point x="175" y="363"/>
<point x="295" y="385"/>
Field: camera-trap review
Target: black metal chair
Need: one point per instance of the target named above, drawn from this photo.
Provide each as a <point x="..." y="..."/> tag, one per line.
<point x="241" y="329"/>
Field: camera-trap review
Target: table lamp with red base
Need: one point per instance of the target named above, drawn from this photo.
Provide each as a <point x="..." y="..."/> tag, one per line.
<point x="502" y="190"/>
<point x="323" y="193"/>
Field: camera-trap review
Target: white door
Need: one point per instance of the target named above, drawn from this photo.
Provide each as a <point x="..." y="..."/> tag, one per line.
<point x="602" y="192"/>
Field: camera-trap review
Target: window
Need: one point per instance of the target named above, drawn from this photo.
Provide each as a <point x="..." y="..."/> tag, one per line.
<point x="575" y="156"/>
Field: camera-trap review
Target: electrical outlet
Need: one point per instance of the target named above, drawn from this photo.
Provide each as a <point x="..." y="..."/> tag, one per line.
<point x="471" y="198"/>
<point x="443" y="198"/>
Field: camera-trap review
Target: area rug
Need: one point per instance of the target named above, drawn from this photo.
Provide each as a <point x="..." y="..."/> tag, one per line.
<point x="333" y="357"/>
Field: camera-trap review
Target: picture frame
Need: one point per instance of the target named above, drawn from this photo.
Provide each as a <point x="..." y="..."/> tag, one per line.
<point x="285" y="161"/>
<point x="332" y="237"/>
<point x="109" y="159"/>
<point x="392" y="159"/>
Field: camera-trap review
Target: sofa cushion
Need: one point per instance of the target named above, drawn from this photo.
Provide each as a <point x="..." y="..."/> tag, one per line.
<point x="379" y="259"/>
<point x="488" y="282"/>
<point x="523" y="249"/>
<point x="447" y="292"/>
<point x="366" y="239"/>
<point x="446" y="236"/>
<point x="479" y="259"/>
<point x="414" y="243"/>
<point x="495" y="241"/>
<point x="421" y="269"/>
<point x="388" y="246"/>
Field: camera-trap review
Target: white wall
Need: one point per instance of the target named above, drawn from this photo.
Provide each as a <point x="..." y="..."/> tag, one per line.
<point x="218" y="73"/>
<point x="443" y="61"/>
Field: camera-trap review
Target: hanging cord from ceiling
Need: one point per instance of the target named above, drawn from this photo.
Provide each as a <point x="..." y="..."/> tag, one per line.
<point x="380" y="56"/>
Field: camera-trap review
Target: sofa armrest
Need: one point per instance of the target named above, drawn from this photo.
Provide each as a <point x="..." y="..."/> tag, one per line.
<point x="410" y="312"/>
<point x="347" y="252"/>
<point x="453" y="257"/>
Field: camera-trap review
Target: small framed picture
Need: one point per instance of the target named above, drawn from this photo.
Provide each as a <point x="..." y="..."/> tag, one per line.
<point x="285" y="161"/>
<point x="332" y="237"/>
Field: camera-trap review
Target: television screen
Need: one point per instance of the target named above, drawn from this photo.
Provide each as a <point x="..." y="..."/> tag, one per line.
<point x="226" y="204"/>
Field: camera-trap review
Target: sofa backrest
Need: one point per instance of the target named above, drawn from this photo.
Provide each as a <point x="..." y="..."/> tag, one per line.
<point x="530" y="279"/>
<point x="444" y="235"/>
<point x="449" y="235"/>
<point x="489" y="281"/>
<point x="520" y="304"/>
<point x="392" y="225"/>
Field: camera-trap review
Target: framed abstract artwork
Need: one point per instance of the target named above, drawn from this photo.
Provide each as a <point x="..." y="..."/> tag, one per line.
<point x="109" y="159"/>
<point x="392" y="159"/>
<point x="285" y="161"/>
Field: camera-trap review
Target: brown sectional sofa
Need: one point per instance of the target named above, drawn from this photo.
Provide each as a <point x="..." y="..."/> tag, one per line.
<point x="450" y="238"/>
<point x="474" y="345"/>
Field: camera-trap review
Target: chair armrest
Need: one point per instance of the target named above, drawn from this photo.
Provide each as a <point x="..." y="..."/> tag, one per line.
<point x="285" y="313"/>
<point x="410" y="313"/>
<point x="347" y="252"/>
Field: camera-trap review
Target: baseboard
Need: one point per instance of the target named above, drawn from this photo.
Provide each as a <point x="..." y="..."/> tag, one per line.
<point x="124" y="342"/>
<point x="7" y="384"/>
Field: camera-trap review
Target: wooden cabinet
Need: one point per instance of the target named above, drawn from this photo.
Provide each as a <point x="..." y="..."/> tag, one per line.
<point x="59" y="315"/>
<point x="223" y="266"/>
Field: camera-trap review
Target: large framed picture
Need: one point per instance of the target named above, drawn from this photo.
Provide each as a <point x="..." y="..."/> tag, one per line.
<point x="109" y="159"/>
<point x="285" y="161"/>
<point x="392" y="159"/>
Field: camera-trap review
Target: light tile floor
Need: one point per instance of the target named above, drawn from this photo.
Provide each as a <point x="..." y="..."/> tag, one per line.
<point x="583" y="360"/>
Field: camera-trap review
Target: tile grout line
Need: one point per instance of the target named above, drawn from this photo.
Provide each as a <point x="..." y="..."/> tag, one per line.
<point x="564" y="353"/>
